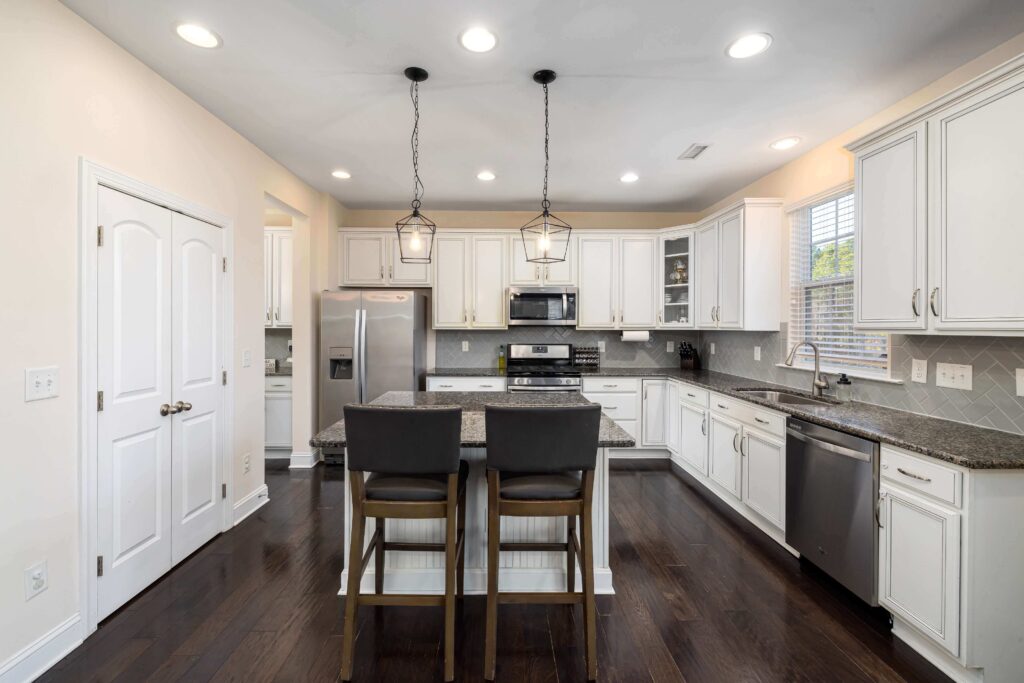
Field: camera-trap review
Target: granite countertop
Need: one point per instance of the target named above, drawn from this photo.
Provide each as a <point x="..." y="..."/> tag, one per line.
<point x="472" y="403"/>
<point x="280" y="372"/>
<point x="955" y="442"/>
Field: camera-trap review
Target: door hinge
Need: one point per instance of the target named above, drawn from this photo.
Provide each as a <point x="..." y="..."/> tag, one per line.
<point x="224" y="377"/>
<point x="224" y="264"/>
<point x="99" y="236"/>
<point x="99" y="401"/>
<point x="99" y="565"/>
<point x="223" y="490"/>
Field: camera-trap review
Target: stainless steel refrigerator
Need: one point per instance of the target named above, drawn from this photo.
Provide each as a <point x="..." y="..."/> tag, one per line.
<point x="371" y="341"/>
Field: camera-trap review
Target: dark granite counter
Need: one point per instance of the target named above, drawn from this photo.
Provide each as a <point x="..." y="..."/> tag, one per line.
<point x="472" y="404"/>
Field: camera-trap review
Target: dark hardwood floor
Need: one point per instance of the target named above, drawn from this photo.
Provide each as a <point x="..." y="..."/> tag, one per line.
<point x="700" y="597"/>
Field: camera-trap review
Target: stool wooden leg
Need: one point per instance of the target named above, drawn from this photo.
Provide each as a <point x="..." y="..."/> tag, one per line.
<point x="570" y="555"/>
<point x="589" y="607"/>
<point x="355" y="574"/>
<point x="462" y="532"/>
<point x="378" y="558"/>
<point x="450" y="543"/>
<point x="493" y="545"/>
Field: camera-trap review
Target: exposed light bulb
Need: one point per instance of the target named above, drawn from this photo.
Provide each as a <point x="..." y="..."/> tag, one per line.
<point x="544" y="242"/>
<point x="415" y="243"/>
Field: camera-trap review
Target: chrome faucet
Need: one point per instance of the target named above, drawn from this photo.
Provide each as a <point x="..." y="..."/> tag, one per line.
<point x="820" y="383"/>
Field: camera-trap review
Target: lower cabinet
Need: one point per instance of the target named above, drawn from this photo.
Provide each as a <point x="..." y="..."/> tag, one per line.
<point x="654" y="413"/>
<point x="672" y="417"/>
<point x="725" y="464"/>
<point x="693" y="436"/>
<point x="278" y="420"/>
<point x="764" y="475"/>
<point x="619" y="399"/>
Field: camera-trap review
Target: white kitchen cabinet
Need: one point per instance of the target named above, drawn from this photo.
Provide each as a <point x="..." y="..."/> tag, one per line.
<point x="619" y="398"/>
<point x="469" y="281"/>
<point x="919" y="558"/>
<point x="617" y="282"/>
<point x="596" y="307"/>
<point x="278" y="412"/>
<point x="487" y="290"/>
<point x="451" y="281"/>
<point x="525" y="273"/>
<point x="671" y="417"/>
<point x="466" y="384"/>
<point x="764" y="475"/>
<point x="278" y="258"/>
<point x="730" y="271"/>
<point x="404" y="274"/>
<point x="675" y="299"/>
<point x="653" y="411"/>
<point x="707" y="274"/>
<point x="693" y="436"/>
<point x="724" y="463"/>
<point x="373" y="258"/>
<point x="638" y="284"/>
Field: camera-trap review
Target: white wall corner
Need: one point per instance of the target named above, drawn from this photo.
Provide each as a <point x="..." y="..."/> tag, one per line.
<point x="39" y="655"/>
<point x="251" y="503"/>
<point x="304" y="460"/>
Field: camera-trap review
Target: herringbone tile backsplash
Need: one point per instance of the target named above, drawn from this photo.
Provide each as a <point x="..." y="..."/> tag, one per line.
<point x="991" y="403"/>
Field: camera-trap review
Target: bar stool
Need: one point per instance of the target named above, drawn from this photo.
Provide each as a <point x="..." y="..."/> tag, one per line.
<point x="540" y="463"/>
<point x="413" y="458"/>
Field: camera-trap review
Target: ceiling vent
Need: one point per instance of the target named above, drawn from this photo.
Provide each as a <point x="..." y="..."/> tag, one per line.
<point x="693" y="151"/>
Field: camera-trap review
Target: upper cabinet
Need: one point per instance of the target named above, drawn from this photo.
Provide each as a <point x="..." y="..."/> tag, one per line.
<point x="524" y="273"/>
<point x="617" y="285"/>
<point x="469" y="281"/>
<point x="738" y="265"/>
<point x="278" y="255"/>
<point x="676" y="299"/>
<point x="939" y="233"/>
<point x="372" y="258"/>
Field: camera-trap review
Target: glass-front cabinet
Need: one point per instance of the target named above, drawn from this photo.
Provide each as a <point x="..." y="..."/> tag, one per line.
<point x="676" y="275"/>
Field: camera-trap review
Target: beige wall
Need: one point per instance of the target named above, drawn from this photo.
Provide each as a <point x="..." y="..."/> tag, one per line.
<point x="363" y="218"/>
<point x="67" y="91"/>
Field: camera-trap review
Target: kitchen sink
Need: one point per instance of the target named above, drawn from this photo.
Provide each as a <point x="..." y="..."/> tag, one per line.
<point x="785" y="397"/>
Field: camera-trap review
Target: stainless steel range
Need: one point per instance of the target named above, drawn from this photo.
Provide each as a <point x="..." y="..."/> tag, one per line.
<point x="542" y="367"/>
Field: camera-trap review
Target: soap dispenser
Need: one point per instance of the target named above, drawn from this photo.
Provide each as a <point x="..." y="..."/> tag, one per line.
<point x="844" y="388"/>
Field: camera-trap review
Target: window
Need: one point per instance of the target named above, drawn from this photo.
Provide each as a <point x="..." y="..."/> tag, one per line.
<point x="821" y="292"/>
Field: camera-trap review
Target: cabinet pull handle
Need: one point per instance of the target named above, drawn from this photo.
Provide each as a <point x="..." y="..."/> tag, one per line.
<point x="391" y="271"/>
<point x="757" y="419"/>
<point x="536" y="272"/>
<point x="704" y="426"/>
<point x="723" y="407"/>
<point x="913" y="302"/>
<point x="277" y="314"/>
<point x="744" y="451"/>
<point x="878" y="510"/>
<point x="905" y="473"/>
<point x="610" y="386"/>
<point x="382" y="272"/>
<point x="610" y="407"/>
<point x="268" y="315"/>
<point x="691" y="395"/>
<point x="445" y="386"/>
<point x="661" y="318"/>
<point x="734" y="446"/>
<point x="931" y="301"/>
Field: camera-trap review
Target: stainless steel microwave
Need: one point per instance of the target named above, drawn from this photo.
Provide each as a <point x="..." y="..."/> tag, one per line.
<point x="542" y="306"/>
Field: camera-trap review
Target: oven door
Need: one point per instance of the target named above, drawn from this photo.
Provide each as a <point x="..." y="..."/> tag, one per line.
<point x="542" y="306"/>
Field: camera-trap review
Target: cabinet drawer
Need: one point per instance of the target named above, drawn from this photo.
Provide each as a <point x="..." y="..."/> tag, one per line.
<point x="616" y="406"/>
<point x="277" y="383"/>
<point x="465" y="384"/>
<point x="750" y="414"/>
<point x="610" y="384"/>
<point x="929" y="477"/>
<point x="693" y="395"/>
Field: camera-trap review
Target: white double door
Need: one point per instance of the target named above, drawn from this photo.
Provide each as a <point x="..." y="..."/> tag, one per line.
<point x="159" y="465"/>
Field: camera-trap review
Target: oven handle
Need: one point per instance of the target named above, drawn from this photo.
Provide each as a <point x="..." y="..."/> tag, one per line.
<point x="565" y="390"/>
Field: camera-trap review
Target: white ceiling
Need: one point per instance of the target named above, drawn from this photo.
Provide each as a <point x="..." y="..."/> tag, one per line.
<point x="318" y="85"/>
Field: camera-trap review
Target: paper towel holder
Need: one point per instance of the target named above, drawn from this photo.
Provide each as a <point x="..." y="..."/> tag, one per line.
<point x="636" y="335"/>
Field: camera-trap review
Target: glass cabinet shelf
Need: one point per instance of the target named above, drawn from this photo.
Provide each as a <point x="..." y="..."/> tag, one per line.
<point x="675" y="280"/>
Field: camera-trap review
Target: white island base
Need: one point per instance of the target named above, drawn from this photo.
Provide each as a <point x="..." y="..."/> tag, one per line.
<point x="423" y="572"/>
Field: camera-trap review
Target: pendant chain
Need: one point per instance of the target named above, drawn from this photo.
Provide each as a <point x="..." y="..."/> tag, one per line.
<point x="417" y="188"/>
<point x="547" y="135"/>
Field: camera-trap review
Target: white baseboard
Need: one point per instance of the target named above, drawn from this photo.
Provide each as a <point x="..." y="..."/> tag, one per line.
<point x="515" y="580"/>
<point x="38" y="656"/>
<point x="304" y="460"/>
<point x="927" y="648"/>
<point x="251" y="503"/>
<point x="638" y="454"/>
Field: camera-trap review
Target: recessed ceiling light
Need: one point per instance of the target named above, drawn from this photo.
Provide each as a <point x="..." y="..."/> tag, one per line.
<point x="749" y="45"/>
<point x="785" y="143"/>
<point x="200" y="36"/>
<point x="478" y="39"/>
<point x="485" y="175"/>
<point x="629" y="177"/>
<point x="341" y="174"/>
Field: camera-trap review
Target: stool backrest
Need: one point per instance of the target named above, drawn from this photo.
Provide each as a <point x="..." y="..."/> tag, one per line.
<point x="542" y="439"/>
<point x="403" y="440"/>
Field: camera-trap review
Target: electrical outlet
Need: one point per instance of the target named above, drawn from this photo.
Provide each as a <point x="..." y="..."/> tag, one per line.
<point x="919" y="371"/>
<point x="954" y="376"/>
<point x="1020" y="381"/>
<point x="600" y="346"/>
<point x="465" y="345"/>
<point x="36" y="580"/>
<point x="245" y="463"/>
<point x="41" y="383"/>
<point x="711" y="348"/>
<point x="670" y="346"/>
<point x="246" y="358"/>
<point x="757" y="353"/>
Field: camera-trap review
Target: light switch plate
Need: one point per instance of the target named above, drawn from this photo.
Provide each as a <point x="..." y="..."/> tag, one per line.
<point x="712" y="348"/>
<point x="757" y="353"/>
<point x="36" y="580"/>
<point x="1020" y="381"/>
<point x="954" y="376"/>
<point x="41" y="383"/>
<point x="919" y="371"/>
<point x="670" y="346"/>
<point x="465" y="345"/>
<point x="246" y="358"/>
<point x="600" y="346"/>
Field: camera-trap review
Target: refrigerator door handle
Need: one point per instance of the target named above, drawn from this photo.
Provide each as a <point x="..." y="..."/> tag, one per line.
<point x="358" y="356"/>
<point x="363" y="398"/>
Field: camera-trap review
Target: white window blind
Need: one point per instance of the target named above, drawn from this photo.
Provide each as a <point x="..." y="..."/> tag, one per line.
<point x="821" y="292"/>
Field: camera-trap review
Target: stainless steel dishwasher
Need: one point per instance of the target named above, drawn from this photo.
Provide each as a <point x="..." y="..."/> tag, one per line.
<point x="831" y="503"/>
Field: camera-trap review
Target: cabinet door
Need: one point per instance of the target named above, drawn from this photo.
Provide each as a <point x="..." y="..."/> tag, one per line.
<point x="919" y="572"/>
<point x="730" y="271"/>
<point x="674" y="270"/>
<point x="724" y="467"/>
<point x="278" y="420"/>
<point x="487" y="295"/>
<point x="693" y="436"/>
<point x="654" y="397"/>
<point x="405" y="274"/>
<point x="283" y="287"/>
<point x="764" y="475"/>
<point x="268" y="279"/>
<point x="597" y="305"/>
<point x="890" y="221"/>
<point x="562" y="273"/>
<point x="523" y="272"/>
<point x="638" y="282"/>
<point x="977" y="178"/>
<point x="672" y="416"/>
<point x="707" y="275"/>
<point x="362" y="259"/>
<point x="451" y="279"/>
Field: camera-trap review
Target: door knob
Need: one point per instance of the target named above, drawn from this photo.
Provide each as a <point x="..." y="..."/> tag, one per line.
<point x="167" y="409"/>
<point x="183" y="407"/>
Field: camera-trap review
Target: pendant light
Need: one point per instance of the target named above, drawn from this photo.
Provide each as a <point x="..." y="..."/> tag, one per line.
<point x="415" y="231"/>
<point x="549" y="231"/>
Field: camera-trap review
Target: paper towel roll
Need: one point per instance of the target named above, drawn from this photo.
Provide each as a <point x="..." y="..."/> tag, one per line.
<point x="635" y="335"/>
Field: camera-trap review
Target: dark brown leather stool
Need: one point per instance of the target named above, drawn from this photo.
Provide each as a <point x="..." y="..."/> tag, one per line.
<point x="540" y="463"/>
<point x="413" y="457"/>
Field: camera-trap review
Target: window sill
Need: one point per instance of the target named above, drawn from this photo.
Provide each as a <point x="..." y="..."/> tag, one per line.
<point x="854" y="375"/>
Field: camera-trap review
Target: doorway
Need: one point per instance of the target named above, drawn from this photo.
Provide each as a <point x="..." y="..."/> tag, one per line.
<point x="278" y="288"/>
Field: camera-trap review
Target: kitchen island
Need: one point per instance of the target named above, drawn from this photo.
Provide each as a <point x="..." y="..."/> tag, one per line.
<point x="423" y="572"/>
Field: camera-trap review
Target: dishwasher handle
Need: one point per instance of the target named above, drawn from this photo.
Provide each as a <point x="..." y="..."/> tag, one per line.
<point x="828" y="446"/>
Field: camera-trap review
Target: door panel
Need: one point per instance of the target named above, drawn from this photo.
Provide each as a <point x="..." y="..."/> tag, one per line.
<point x="134" y="274"/>
<point x="389" y="335"/>
<point x="693" y="436"/>
<point x="488" y="290"/>
<point x="407" y="274"/>
<point x="597" y="300"/>
<point x="764" y="476"/>
<point x="523" y="271"/>
<point x="451" y="278"/>
<point x="671" y="412"/>
<point x="730" y="276"/>
<point x="654" y="412"/>
<point x="707" y="275"/>
<point x="362" y="259"/>
<point x="268" y="278"/>
<point x="562" y="272"/>
<point x="638" y="282"/>
<point x="197" y="364"/>
<point x="724" y="467"/>
<point x="283" y="285"/>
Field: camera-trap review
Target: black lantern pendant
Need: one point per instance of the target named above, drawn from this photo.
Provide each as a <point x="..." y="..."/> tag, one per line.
<point x="549" y="233"/>
<point x="416" y="231"/>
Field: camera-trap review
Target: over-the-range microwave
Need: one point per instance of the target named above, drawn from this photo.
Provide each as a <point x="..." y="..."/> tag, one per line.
<point x="542" y="306"/>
